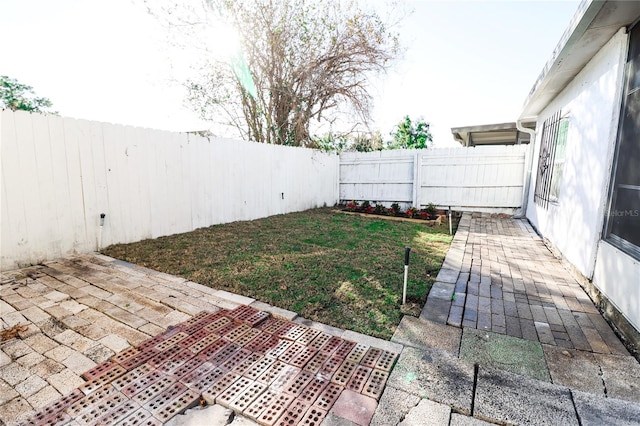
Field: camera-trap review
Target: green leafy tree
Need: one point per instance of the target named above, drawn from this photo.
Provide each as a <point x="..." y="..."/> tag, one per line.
<point x="329" y="143"/>
<point x="360" y="142"/>
<point x="367" y="142"/>
<point x="17" y="96"/>
<point x="301" y="62"/>
<point x="410" y="135"/>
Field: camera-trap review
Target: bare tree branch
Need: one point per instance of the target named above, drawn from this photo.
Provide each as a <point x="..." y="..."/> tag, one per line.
<point x="309" y="59"/>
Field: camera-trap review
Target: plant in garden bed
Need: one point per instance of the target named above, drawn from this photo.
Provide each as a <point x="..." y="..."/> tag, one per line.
<point x="423" y="214"/>
<point x="431" y="209"/>
<point x="380" y="209"/>
<point x="367" y="207"/>
<point x="411" y="212"/>
<point x="428" y="213"/>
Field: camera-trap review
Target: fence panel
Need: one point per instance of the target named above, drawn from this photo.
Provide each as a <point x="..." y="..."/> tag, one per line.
<point x="383" y="176"/>
<point x="465" y="178"/>
<point x="59" y="174"/>
<point x="476" y="177"/>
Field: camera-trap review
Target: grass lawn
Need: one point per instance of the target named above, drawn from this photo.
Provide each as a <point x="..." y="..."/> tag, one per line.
<point x="338" y="269"/>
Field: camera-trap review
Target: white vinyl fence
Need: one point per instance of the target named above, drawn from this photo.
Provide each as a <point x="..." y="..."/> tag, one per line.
<point x="476" y="178"/>
<point x="59" y="175"/>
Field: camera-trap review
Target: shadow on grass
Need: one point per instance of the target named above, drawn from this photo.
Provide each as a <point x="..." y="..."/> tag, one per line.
<point x="345" y="271"/>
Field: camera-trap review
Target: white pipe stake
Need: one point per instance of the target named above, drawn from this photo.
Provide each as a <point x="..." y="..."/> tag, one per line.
<point x="404" y="287"/>
<point x="100" y="238"/>
<point x="407" y="250"/>
<point x="102" y="216"/>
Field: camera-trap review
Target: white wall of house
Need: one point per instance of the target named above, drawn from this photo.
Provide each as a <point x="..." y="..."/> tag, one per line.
<point x="592" y="101"/>
<point x="574" y="225"/>
<point x="617" y="275"/>
<point x="59" y="175"/>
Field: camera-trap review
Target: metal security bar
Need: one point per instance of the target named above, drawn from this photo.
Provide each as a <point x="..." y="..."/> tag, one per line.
<point x="550" y="131"/>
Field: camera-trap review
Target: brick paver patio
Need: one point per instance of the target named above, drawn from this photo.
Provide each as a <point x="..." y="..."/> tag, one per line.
<point x="500" y="277"/>
<point x="105" y="342"/>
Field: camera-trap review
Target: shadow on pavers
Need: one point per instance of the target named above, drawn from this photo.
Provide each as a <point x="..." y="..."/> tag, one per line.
<point x="510" y="398"/>
<point x="436" y="375"/>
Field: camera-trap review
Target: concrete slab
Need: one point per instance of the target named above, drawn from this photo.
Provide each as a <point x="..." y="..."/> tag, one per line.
<point x="434" y="374"/>
<point x="461" y="420"/>
<point x="621" y="376"/>
<point x="503" y="397"/>
<point x="598" y="411"/>
<point x="394" y="404"/>
<point x="504" y="352"/>
<point x="427" y="413"/>
<point x="574" y="369"/>
<point x="424" y="334"/>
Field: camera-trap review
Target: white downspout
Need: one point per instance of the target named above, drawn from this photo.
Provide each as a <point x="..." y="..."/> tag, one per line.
<point x="520" y="213"/>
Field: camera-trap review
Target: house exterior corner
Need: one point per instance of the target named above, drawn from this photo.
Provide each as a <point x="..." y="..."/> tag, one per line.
<point x="582" y="198"/>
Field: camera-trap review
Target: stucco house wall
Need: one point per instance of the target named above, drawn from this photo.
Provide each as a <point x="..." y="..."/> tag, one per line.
<point x="574" y="225"/>
<point x="592" y="103"/>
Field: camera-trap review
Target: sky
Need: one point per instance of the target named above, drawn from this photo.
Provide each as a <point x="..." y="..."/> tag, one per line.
<point x="465" y="62"/>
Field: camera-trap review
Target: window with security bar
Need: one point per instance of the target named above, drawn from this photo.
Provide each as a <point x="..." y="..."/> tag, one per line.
<point x="552" y="158"/>
<point x="623" y="222"/>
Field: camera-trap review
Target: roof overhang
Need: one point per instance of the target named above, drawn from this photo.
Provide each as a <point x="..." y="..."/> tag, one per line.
<point x="488" y="134"/>
<point x="593" y="25"/>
